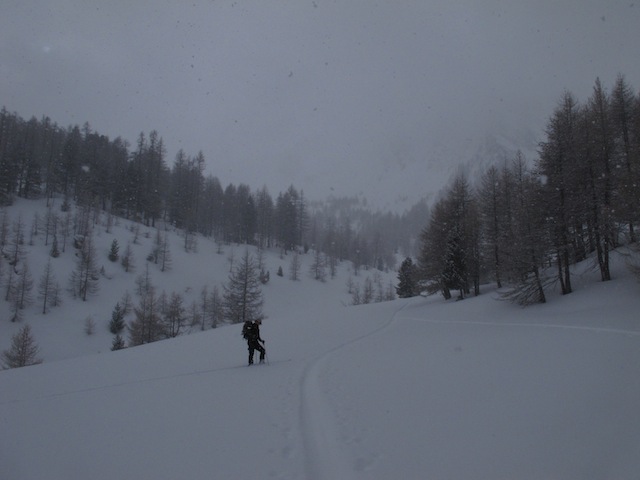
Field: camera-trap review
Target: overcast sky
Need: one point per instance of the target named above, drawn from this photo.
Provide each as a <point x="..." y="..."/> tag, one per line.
<point x="321" y="94"/>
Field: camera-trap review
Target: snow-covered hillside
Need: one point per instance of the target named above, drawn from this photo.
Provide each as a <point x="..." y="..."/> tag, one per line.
<point x="417" y="388"/>
<point x="61" y="332"/>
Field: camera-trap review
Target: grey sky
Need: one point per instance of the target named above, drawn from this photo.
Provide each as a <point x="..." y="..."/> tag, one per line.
<point x="328" y="95"/>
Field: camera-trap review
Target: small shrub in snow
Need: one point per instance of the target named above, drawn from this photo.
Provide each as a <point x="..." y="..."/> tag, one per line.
<point x="89" y="326"/>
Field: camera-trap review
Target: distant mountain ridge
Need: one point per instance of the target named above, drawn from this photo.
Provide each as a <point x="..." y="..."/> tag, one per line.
<point x="401" y="183"/>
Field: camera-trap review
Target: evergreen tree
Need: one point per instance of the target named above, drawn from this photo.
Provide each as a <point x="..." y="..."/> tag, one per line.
<point x="558" y="162"/>
<point x="146" y="178"/>
<point x="530" y="240"/>
<point x="242" y="298"/>
<point x="407" y="285"/>
<point x="431" y="260"/>
<point x="4" y="228"/>
<point x="209" y="217"/>
<point x="174" y="316"/>
<point x="248" y="215"/>
<point x="117" y="323"/>
<point x="118" y="343"/>
<point x="450" y="258"/>
<point x="146" y="327"/>
<point x="9" y="132"/>
<point x="114" y="251"/>
<point x="602" y="170"/>
<point x="155" y="179"/>
<point x="625" y="121"/>
<point x="265" y="213"/>
<point x="23" y="351"/>
<point x="289" y="218"/>
<point x="318" y="266"/>
<point x="494" y="222"/>
<point x="230" y="215"/>
<point x="186" y="191"/>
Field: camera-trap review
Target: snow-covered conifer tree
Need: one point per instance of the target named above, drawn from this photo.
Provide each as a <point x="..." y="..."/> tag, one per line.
<point x="23" y="351"/>
<point x="242" y="298"/>
<point x="407" y="285"/>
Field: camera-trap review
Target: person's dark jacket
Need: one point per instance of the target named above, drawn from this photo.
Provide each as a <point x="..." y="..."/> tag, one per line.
<point x="251" y="331"/>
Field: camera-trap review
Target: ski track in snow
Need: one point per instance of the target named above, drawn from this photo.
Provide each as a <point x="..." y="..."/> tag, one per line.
<point x="132" y="382"/>
<point x="617" y="331"/>
<point x="326" y="457"/>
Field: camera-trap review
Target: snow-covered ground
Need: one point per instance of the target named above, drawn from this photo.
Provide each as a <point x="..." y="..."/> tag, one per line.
<point x="412" y="389"/>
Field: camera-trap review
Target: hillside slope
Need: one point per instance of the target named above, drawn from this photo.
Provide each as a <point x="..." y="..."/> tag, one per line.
<point x="60" y="333"/>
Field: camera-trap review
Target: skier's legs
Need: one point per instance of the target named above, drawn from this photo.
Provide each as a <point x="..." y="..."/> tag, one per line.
<point x="253" y="346"/>
<point x="251" y="350"/>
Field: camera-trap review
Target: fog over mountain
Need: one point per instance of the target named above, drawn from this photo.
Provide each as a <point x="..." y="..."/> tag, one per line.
<point x="378" y="99"/>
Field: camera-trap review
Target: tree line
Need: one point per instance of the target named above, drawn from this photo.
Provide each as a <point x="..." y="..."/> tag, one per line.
<point x="523" y="226"/>
<point x="38" y="159"/>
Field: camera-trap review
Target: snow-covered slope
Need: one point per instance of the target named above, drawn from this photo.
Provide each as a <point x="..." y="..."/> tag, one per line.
<point x="61" y="332"/>
<point x="418" y="388"/>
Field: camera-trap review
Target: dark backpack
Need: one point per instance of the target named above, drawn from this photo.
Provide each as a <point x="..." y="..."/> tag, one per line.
<point x="248" y="330"/>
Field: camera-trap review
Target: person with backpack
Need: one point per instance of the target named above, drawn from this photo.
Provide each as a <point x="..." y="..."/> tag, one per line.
<point x="251" y="333"/>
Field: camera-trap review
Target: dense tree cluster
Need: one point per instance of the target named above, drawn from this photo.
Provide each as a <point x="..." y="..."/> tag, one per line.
<point x="512" y="225"/>
<point x="39" y="158"/>
<point x="581" y="198"/>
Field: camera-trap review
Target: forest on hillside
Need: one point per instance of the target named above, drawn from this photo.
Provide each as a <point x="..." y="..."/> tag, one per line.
<point x="524" y="226"/>
<point x="38" y="158"/>
<point x="520" y="225"/>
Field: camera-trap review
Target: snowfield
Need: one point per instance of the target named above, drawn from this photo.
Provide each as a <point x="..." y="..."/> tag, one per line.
<point x="412" y="389"/>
